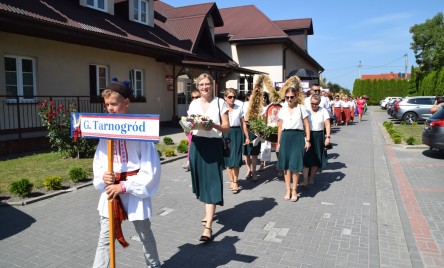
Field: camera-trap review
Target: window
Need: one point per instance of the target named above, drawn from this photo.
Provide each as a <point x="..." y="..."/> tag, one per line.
<point x="141" y="11"/>
<point x="136" y="82"/>
<point x="98" y="78"/>
<point x="97" y="4"/>
<point x="20" y="77"/>
<point x="245" y="84"/>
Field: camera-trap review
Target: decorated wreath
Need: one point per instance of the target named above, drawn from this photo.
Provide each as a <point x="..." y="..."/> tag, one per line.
<point x="266" y="127"/>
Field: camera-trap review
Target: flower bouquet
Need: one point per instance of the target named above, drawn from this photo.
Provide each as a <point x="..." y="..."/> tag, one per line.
<point x="195" y="122"/>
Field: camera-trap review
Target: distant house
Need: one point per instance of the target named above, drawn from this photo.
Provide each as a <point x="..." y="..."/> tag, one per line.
<point x="279" y="48"/>
<point x="387" y="76"/>
<point x="75" y="47"/>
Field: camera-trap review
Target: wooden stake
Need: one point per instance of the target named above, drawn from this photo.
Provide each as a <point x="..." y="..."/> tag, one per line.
<point x="112" y="253"/>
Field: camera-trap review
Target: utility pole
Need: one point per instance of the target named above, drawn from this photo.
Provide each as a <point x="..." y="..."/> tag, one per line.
<point x="359" y="70"/>
<point x="406" y="65"/>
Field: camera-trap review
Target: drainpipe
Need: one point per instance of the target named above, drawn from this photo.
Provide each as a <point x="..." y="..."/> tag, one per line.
<point x="175" y="118"/>
<point x="284" y="64"/>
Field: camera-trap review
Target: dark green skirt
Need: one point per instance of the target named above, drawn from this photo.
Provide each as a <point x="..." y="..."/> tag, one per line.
<point x="236" y="145"/>
<point x="206" y="165"/>
<point x="291" y="150"/>
<point x="315" y="156"/>
<point x="249" y="149"/>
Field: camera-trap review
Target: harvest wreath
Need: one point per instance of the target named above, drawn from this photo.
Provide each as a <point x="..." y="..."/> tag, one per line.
<point x="266" y="127"/>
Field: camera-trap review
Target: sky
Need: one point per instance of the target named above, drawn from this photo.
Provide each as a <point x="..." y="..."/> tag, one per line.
<point x="348" y="33"/>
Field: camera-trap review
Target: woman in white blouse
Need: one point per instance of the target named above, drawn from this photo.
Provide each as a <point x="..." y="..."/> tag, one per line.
<point x="292" y="123"/>
<point x="206" y="158"/>
<point x="237" y="134"/>
<point x="314" y="158"/>
<point x="337" y="109"/>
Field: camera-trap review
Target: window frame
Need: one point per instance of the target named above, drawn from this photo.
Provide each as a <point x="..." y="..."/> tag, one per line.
<point x="19" y="78"/>
<point x="137" y="11"/>
<point x="96" y="5"/>
<point x="133" y="82"/>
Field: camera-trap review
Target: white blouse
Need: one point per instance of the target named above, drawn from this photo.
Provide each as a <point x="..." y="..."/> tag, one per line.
<point x="212" y="112"/>
<point x="317" y="119"/>
<point x="337" y="104"/>
<point x="346" y="104"/>
<point x="129" y="156"/>
<point x="235" y="115"/>
<point x="294" y="120"/>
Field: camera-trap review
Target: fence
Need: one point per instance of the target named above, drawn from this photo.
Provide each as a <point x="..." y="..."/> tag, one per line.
<point x="19" y="114"/>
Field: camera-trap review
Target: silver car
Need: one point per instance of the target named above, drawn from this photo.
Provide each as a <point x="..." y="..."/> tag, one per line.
<point x="413" y="109"/>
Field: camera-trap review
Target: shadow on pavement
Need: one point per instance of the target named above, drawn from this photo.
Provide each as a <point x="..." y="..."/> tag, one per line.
<point x="213" y="254"/>
<point x="434" y="154"/>
<point x="323" y="181"/>
<point x="13" y="221"/>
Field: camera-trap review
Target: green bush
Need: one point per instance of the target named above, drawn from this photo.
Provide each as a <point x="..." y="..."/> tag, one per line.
<point x="388" y="124"/>
<point x="182" y="148"/>
<point x="21" y="188"/>
<point x="397" y="140"/>
<point x="184" y="142"/>
<point x="395" y="135"/>
<point x="77" y="174"/>
<point x="159" y="153"/>
<point x="170" y="152"/>
<point x="414" y="123"/>
<point x="410" y="140"/>
<point x="52" y="183"/>
<point x="391" y="130"/>
<point x="168" y="141"/>
<point x="403" y="123"/>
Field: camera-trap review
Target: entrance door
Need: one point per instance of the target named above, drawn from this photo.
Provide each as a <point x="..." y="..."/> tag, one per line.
<point x="184" y="88"/>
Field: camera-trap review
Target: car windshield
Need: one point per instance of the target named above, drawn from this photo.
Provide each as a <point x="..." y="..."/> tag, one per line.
<point x="438" y="115"/>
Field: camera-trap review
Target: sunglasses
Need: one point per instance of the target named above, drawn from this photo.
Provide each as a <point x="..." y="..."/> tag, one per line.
<point x="289" y="97"/>
<point x="231" y="97"/>
<point x="314" y="104"/>
<point x="194" y="97"/>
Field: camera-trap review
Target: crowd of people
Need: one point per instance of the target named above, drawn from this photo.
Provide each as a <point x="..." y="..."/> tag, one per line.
<point x="304" y="129"/>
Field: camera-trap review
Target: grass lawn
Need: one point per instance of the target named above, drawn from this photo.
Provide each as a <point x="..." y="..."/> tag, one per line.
<point x="407" y="131"/>
<point x="37" y="167"/>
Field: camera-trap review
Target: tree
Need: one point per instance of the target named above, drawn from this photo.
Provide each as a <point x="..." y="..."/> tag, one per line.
<point x="428" y="44"/>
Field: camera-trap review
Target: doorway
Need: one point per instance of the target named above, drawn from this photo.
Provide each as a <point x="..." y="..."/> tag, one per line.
<point x="184" y="88"/>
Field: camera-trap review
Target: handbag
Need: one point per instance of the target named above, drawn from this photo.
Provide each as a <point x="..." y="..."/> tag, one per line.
<point x="225" y="141"/>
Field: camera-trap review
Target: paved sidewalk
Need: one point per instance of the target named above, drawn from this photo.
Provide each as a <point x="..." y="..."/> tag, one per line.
<point x="376" y="205"/>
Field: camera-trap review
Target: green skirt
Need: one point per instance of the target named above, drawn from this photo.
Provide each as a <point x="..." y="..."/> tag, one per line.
<point x="315" y="156"/>
<point x="236" y="137"/>
<point x="291" y="150"/>
<point x="249" y="149"/>
<point x="206" y="165"/>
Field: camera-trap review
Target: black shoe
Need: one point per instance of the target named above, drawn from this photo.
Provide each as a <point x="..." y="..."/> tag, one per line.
<point x="205" y="238"/>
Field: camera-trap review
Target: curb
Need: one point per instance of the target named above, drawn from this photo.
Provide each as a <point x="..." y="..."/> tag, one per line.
<point x="72" y="189"/>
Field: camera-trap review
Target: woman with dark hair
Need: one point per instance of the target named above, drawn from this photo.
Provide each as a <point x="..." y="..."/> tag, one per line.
<point x="314" y="158"/>
<point x="291" y="144"/>
<point x="237" y="134"/>
<point x="206" y="157"/>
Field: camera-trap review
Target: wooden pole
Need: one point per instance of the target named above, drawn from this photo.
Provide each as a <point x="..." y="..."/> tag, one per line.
<point x="112" y="253"/>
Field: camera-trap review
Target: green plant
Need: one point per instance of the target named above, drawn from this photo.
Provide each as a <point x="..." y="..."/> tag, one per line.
<point x="182" y="148"/>
<point x="77" y="174"/>
<point x="52" y="183"/>
<point x="168" y="141"/>
<point x="184" y="142"/>
<point x="388" y="124"/>
<point x="415" y="123"/>
<point x="404" y="123"/>
<point x="170" y="152"/>
<point x="397" y="140"/>
<point x="159" y="153"/>
<point x="58" y="122"/>
<point x="410" y="140"/>
<point x="258" y="126"/>
<point x="21" y="188"/>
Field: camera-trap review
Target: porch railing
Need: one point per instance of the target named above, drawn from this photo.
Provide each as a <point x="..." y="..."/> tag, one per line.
<point x="20" y="114"/>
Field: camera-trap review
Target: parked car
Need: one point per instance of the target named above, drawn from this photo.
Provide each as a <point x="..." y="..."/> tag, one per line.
<point x="383" y="103"/>
<point x="391" y="106"/>
<point x="413" y="109"/>
<point x="433" y="133"/>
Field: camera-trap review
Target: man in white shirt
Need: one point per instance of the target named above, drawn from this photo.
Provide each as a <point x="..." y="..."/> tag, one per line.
<point x="316" y="89"/>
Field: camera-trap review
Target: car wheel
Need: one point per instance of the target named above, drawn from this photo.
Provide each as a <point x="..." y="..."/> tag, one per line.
<point x="410" y="117"/>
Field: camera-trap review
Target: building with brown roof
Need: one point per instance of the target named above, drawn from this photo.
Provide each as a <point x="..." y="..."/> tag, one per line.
<point x="75" y="47"/>
<point x="387" y="76"/>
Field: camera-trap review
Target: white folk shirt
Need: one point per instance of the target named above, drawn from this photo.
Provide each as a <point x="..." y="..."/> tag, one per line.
<point x="292" y="121"/>
<point x="129" y="156"/>
<point x="317" y="119"/>
<point x="212" y="112"/>
<point x="346" y="104"/>
<point x="235" y="115"/>
<point x="337" y="104"/>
